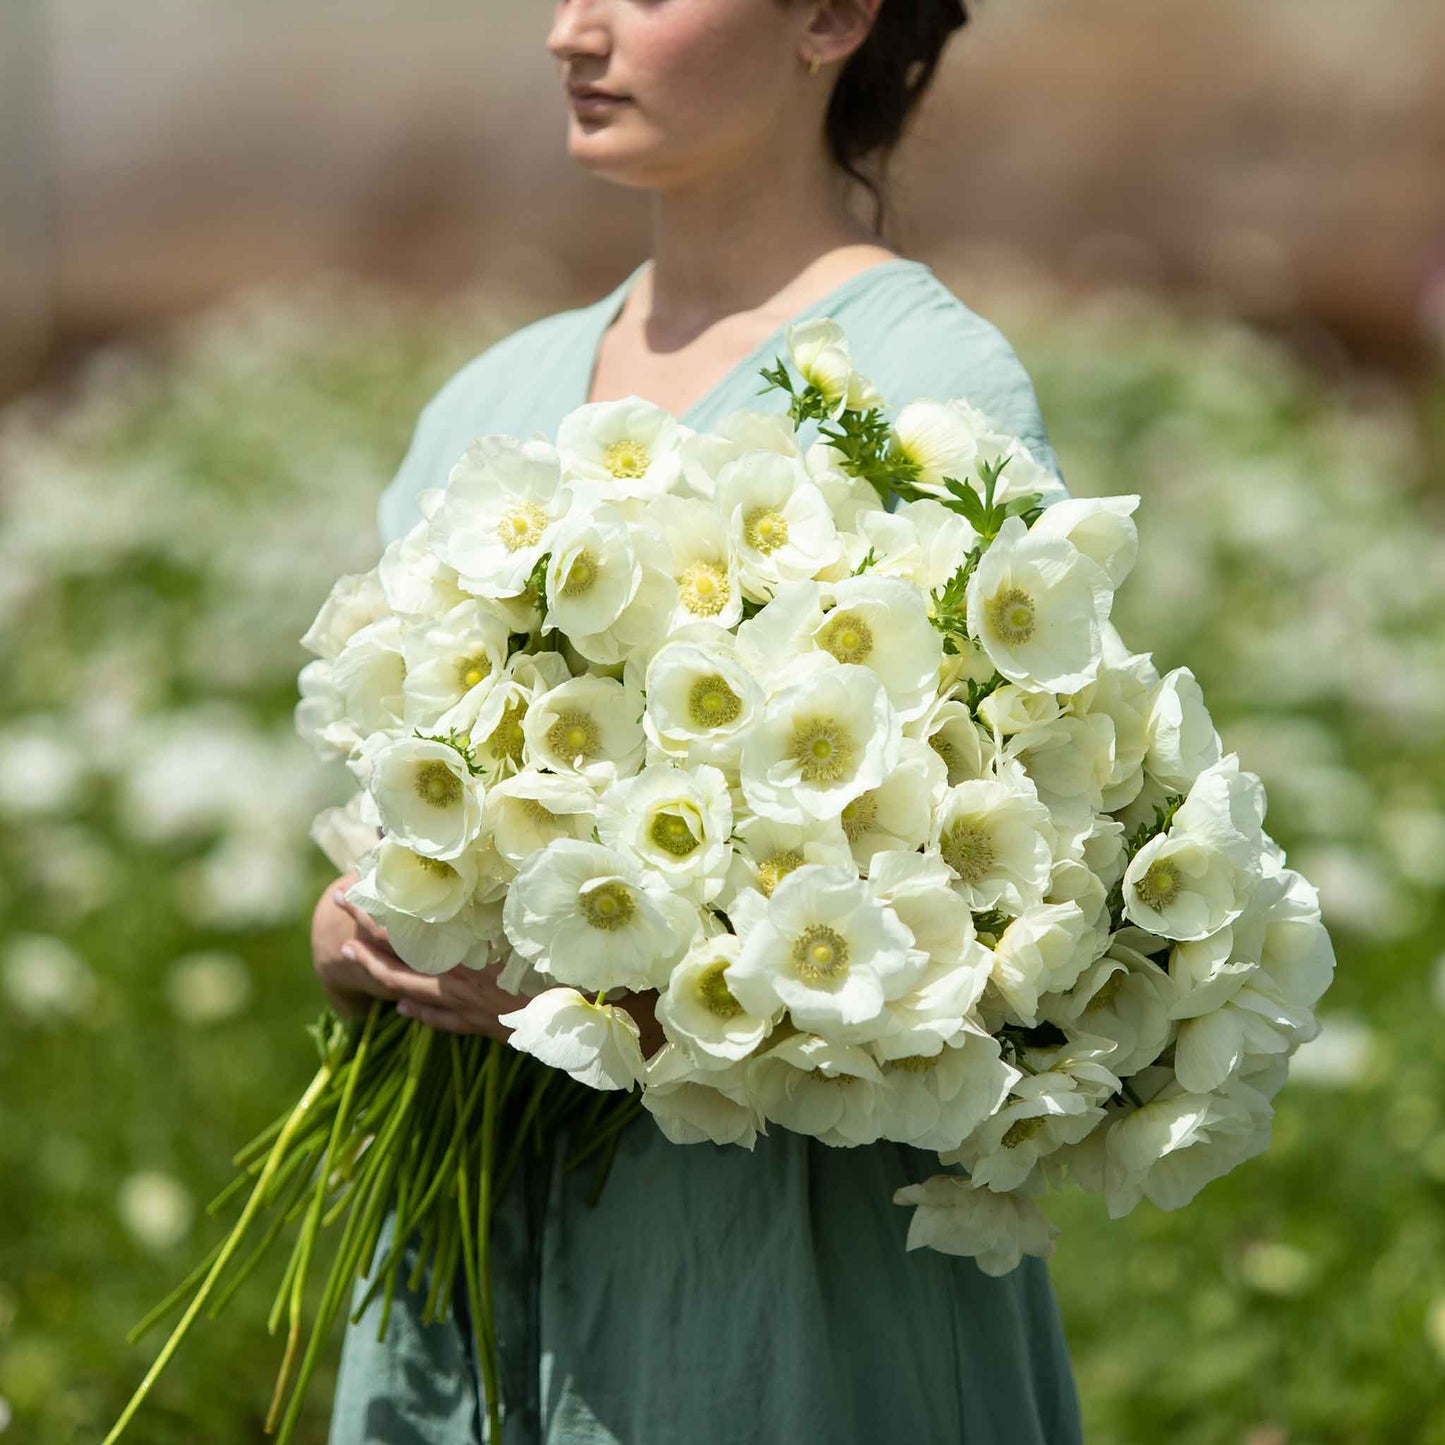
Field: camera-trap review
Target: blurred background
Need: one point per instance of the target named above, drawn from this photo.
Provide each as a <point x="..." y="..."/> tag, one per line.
<point x="241" y="244"/>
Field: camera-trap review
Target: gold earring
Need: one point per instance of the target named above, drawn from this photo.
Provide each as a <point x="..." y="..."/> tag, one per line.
<point x="814" y="64"/>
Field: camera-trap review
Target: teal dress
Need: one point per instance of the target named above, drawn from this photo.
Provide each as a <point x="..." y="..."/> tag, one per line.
<point x="716" y="1296"/>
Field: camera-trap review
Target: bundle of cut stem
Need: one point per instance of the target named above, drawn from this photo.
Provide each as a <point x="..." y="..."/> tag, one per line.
<point x="402" y="1121"/>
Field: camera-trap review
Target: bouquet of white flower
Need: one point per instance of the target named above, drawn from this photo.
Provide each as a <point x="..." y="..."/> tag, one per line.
<point x="837" y="749"/>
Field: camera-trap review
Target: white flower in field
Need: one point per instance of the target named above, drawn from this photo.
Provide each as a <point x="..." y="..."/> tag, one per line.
<point x="812" y="1086"/>
<point x="502" y="500"/>
<point x="766" y="851"/>
<point x="692" y="1105"/>
<point x="699" y="1012"/>
<point x="935" y="1101"/>
<point x="1047" y="1111"/>
<point x="956" y="1216"/>
<point x="369" y="673"/>
<point x="701" y="698"/>
<point x="208" y="987"/>
<point x="1042" y="951"/>
<point x="596" y="1043"/>
<point x="1182" y="741"/>
<point x="1102" y="528"/>
<point x="156" y="1208"/>
<point x="43" y="977"/>
<point x="996" y="836"/>
<point x="588" y="727"/>
<point x="423" y="903"/>
<point x="818" y="744"/>
<point x="705" y="453"/>
<point x="939" y="439"/>
<point x="1038" y="605"/>
<point x="626" y="448"/>
<point x="453" y="661"/>
<point x="818" y="349"/>
<point x="355" y="600"/>
<point x="586" y="915"/>
<point x="496" y="726"/>
<point x="827" y="950"/>
<point x="1124" y="997"/>
<point x="949" y="729"/>
<point x="416" y="583"/>
<point x="527" y="811"/>
<point x="703" y="567"/>
<point x="1169" y="1148"/>
<point x="674" y="821"/>
<point x="779" y="525"/>
<point x="1191" y="880"/>
<point x="898" y="813"/>
<point x="425" y="795"/>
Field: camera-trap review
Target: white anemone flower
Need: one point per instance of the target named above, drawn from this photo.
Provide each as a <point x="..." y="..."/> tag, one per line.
<point x="701" y="698"/>
<point x="423" y="903"/>
<point x="703" y="567"/>
<point x="1022" y="473"/>
<point x="939" y="439"/>
<point x="502" y="500"/>
<point x="1047" y="1111"/>
<point x="996" y="836"/>
<point x="1122" y="696"/>
<point x="320" y="713"/>
<point x="813" y="1086"/>
<point x="626" y="448"/>
<point x="1181" y="739"/>
<point x="1038" y="605"/>
<point x="369" y="673"/>
<point x="593" y="571"/>
<point x="818" y="744"/>
<point x="1102" y="528"/>
<point x="588" y="727"/>
<point x="453" y="661"/>
<point x="426" y="796"/>
<point x="956" y="1216"/>
<point x="674" y="821"/>
<point x="596" y="1043"/>
<point x="585" y="915"/>
<point x="826" y="949"/>
<point x="692" y="1105"/>
<point x="942" y="537"/>
<point x="949" y="729"/>
<point x="355" y="600"/>
<point x="495" y="725"/>
<point x="766" y="851"/>
<point x="745" y="429"/>
<point x="699" y="1012"/>
<point x="1042" y="951"/>
<point x="818" y="349"/>
<point x="898" y="813"/>
<point x="530" y="809"/>
<point x="779" y="525"/>
<point x="935" y="1101"/>
<point x="417" y="583"/>
<point x="1124" y="997"/>
<point x="850" y="498"/>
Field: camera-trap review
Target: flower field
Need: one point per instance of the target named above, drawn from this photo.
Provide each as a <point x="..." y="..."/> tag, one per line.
<point x="168" y="527"/>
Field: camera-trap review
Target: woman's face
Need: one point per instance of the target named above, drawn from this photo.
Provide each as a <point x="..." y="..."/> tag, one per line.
<point x="707" y="84"/>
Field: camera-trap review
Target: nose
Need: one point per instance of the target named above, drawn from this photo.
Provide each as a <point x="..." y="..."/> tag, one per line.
<point x="577" y="29"/>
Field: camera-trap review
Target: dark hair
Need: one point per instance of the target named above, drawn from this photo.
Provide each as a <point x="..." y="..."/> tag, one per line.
<point x="882" y="82"/>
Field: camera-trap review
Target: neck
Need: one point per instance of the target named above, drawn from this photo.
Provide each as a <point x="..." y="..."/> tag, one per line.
<point x="741" y="236"/>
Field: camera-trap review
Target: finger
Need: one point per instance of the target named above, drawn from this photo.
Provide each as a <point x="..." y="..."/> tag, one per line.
<point x="366" y="925"/>
<point x="442" y="1019"/>
<point x="405" y="981"/>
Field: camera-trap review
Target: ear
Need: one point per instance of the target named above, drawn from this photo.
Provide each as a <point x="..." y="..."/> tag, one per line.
<point x="836" y="28"/>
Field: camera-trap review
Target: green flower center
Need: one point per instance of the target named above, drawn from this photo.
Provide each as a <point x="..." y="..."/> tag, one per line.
<point x="1022" y="1130"/>
<point x="848" y="637"/>
<point x="537" y="811"/>
<point x="626" y="458"/>
<point x="1104" y="994"/>
<point x="581" y="574"/>
<point x="1159" y="886"/>
<point x="472" y="670"/>
<point x="1010" y="612"/>
<point x="711" y="703"/>
<point x="437" y="785"/>
<point x="822" y="749"/>
<point x="507" y="739"/>
<point x="820" y="954"/>
<point x="714" y="994"/>
<point x="859" y="816"/>
<point x="772" y="870"/>
<point x="703" y="588"/>
<point x="521" y="526"/>
<point x="911" y="1064"/>
<point x="436" y="867"/>
<point x="765" y="529"/>
<point x="608" y="906"/>
<point x="968" y="849"/>
<point x="574" y="735"/>
<point x="671" y="832"/>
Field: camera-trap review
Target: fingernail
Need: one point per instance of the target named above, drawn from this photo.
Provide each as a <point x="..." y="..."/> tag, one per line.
<point x="404" y="1007"/>
<point x="338" y="896"/>
<point x="348" y="951"/>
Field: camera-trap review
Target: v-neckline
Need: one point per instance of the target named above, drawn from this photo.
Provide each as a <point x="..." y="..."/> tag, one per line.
<point x="607" y="314"/>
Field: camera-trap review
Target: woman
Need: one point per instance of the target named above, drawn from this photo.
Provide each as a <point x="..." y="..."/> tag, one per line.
<point x="715" y="1295"/>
